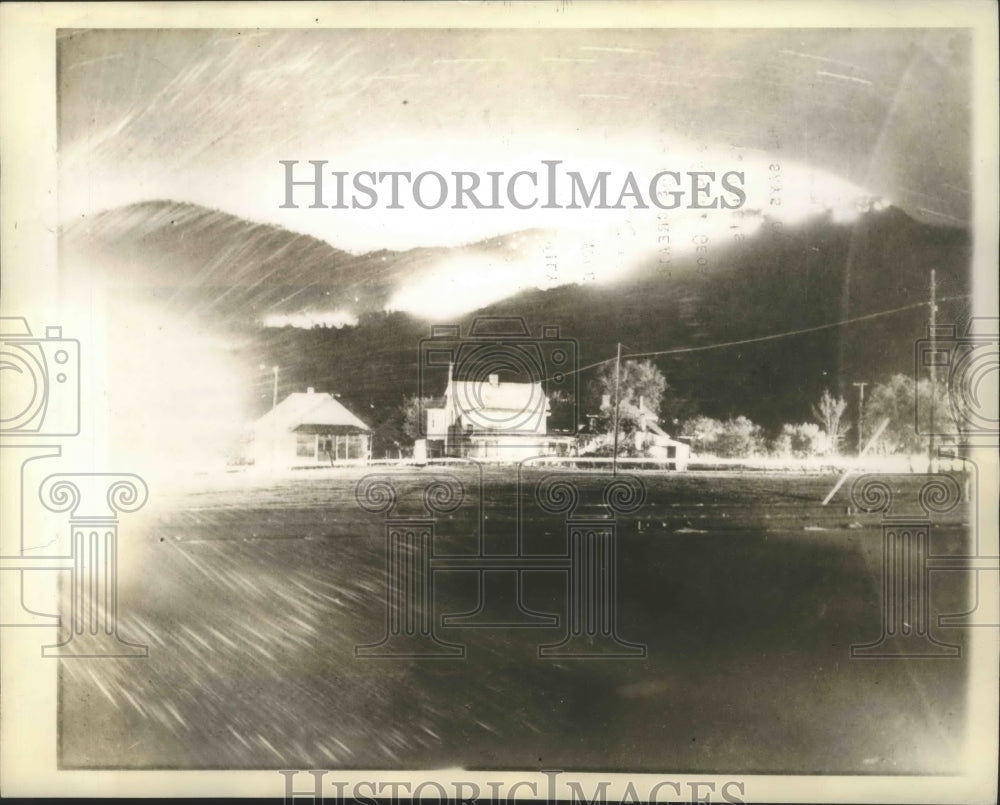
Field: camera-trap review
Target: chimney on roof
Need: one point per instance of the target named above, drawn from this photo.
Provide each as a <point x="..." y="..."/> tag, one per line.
<point x="310" y="390"/>
<point x="494" y="380"/>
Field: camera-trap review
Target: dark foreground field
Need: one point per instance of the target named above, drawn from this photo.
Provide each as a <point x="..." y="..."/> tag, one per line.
<point x="746" y="592"/>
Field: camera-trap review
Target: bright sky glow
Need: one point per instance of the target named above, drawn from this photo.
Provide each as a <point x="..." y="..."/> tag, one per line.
<point x="816" y="121"/>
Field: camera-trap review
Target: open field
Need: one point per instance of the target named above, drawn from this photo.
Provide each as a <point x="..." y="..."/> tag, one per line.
<point x="252" y="596"/>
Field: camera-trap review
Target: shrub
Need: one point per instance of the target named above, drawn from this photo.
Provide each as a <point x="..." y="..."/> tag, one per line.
<point x="803" y="440"/>
<point x="740" y="438"/>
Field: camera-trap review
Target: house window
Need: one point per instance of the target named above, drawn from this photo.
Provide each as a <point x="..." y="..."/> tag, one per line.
<point x="305" y="445"/>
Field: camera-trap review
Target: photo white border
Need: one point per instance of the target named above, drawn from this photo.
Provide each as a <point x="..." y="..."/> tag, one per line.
<point x="28" y="256"/>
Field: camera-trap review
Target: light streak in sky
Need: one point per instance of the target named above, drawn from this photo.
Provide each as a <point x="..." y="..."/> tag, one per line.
<point x="843" y="77"/>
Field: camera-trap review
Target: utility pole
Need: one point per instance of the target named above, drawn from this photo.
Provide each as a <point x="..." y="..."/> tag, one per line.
<point x="449" y="402"/>
<point x="933" y="372"/>
<point x="274" y="425"/>
<point x="274" y="393"/>
<point x="618" y="374"/>
<point x="861" y="412"/>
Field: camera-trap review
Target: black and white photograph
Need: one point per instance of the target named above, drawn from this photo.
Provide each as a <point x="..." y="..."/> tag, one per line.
<point x="493" y="401"/>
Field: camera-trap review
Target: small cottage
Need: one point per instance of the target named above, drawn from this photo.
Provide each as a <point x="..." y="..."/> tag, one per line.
<point x="309" y="429"/>
<point x="651" y="440"/>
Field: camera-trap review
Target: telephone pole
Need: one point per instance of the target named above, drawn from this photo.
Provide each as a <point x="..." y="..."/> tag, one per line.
<point x="861" y="412"/>
<point x="274" y="392"/>
<point x="933" y="372"/>
<point x="618" y="374"/>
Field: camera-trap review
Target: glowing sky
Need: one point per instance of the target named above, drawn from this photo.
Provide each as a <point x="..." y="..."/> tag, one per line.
<point x="205" y="115"/>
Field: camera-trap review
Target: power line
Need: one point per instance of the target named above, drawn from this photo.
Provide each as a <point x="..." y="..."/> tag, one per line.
<point x="772" y="337"/>
<point x="791" y="332"/>
<point x="722" y="345"/>
<point x="577" y="371"/>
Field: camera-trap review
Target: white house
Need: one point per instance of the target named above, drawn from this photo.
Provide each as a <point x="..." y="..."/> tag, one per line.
<point x="309" y="429"/>
<point x="493" y="420"/>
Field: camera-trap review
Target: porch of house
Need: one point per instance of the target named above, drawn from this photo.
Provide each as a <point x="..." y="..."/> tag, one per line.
<point x="325" y="444"/>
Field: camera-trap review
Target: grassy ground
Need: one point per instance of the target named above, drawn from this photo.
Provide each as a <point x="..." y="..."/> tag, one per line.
<point x="747" y="593"/>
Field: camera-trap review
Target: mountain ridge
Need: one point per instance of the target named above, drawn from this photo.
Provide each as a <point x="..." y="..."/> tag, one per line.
<point x="228" y="275"/>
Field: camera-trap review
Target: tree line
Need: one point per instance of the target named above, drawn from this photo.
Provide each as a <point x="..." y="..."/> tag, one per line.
<point x="643" y="394"/>
<point x="906" y="404"/>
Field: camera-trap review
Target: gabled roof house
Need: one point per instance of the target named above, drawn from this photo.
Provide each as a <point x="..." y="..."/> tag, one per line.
<point x="309" y="429"/>
<point x="493" y="420"/>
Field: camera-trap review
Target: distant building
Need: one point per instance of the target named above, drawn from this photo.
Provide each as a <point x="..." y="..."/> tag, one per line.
<point x="494" y="421"/>
<point x="649" y="439"/>
<point x="652" y="441"/>
<point x="309" y="429"/>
